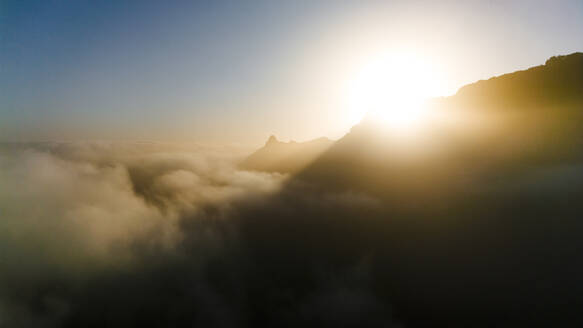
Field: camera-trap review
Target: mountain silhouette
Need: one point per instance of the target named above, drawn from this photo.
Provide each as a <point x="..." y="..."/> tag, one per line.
<point x="558" y="82"/>
<point x="479" y="221"/>
<point x="518" y="119"/>
<point x="285" y="157"/>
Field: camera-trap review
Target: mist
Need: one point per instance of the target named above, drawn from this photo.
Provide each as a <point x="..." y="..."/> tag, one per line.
<point x="74" y="211"/>
<point x="408" y="164"/>
<point x="119" y="234"/>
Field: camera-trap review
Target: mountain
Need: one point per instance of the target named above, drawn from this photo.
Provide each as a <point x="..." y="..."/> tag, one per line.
<point x="526" y="118"/>
<point x="285" y="157"/>
<point x="558" y="82"/>
<point x="480" y="220"/>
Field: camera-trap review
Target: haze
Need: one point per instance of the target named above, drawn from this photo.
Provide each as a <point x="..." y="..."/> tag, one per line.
<point x="291" y="164"/>
<point x="238" y="72"/>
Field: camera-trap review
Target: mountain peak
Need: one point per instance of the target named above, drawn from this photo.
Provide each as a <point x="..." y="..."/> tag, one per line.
<point x="574" y="57"/>
<point x="285" y="157"/>
<point x="272" y="139"/>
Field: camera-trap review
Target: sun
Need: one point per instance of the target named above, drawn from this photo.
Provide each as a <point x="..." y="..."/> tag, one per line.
<point x="391" y="89"/>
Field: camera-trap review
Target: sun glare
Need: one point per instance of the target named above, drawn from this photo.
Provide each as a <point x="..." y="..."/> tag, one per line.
<point x="391" y="89"/>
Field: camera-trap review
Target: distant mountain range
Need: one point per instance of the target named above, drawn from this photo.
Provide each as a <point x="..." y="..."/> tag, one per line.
<point x="286" y="157"/>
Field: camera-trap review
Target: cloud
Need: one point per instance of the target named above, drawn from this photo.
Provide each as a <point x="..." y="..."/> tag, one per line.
<point x="171" y="235"/>
<point x="72" y="209"/>
<point x="119" y="234"/>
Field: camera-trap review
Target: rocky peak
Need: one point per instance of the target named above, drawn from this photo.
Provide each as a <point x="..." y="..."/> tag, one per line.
<point x="272" y="140"/>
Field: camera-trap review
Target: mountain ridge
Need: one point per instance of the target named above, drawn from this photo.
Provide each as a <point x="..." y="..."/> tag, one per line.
<point x="469" y="225"/>
<point x="560" y="79"/>
<point x="285" y="157"/>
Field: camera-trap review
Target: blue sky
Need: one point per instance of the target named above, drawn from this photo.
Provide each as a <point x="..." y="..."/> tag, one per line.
<point x="237" y="71"/>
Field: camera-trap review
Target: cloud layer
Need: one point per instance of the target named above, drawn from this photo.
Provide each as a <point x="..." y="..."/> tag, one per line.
<point x="127" y="235"/>
<point x="72" y="210"/>
<point x="121" y="234"/>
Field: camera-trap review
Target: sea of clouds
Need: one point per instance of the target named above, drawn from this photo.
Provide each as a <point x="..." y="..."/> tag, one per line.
<point x="123" y="234"/>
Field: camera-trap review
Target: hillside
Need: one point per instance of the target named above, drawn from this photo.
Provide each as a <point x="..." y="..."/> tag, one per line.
<point x="542" y="123"/>
<point x="476" y="222"/>
<point x="558" y="82"/>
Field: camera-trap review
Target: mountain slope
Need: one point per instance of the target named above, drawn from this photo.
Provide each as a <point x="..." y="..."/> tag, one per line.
<point x="480" y="219"/>
<point x="558" y="82"/>
<point x="528" y="117"/>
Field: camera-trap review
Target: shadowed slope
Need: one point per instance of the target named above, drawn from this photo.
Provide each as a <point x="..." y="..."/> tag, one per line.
<point x="471" y="224"/>
<point x="531" y="117"/>
<point x="481" y="221"/>
<point x="559" y="82"/>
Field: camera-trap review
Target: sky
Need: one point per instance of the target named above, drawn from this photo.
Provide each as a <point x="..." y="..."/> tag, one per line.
<point x="239" y="71"/>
